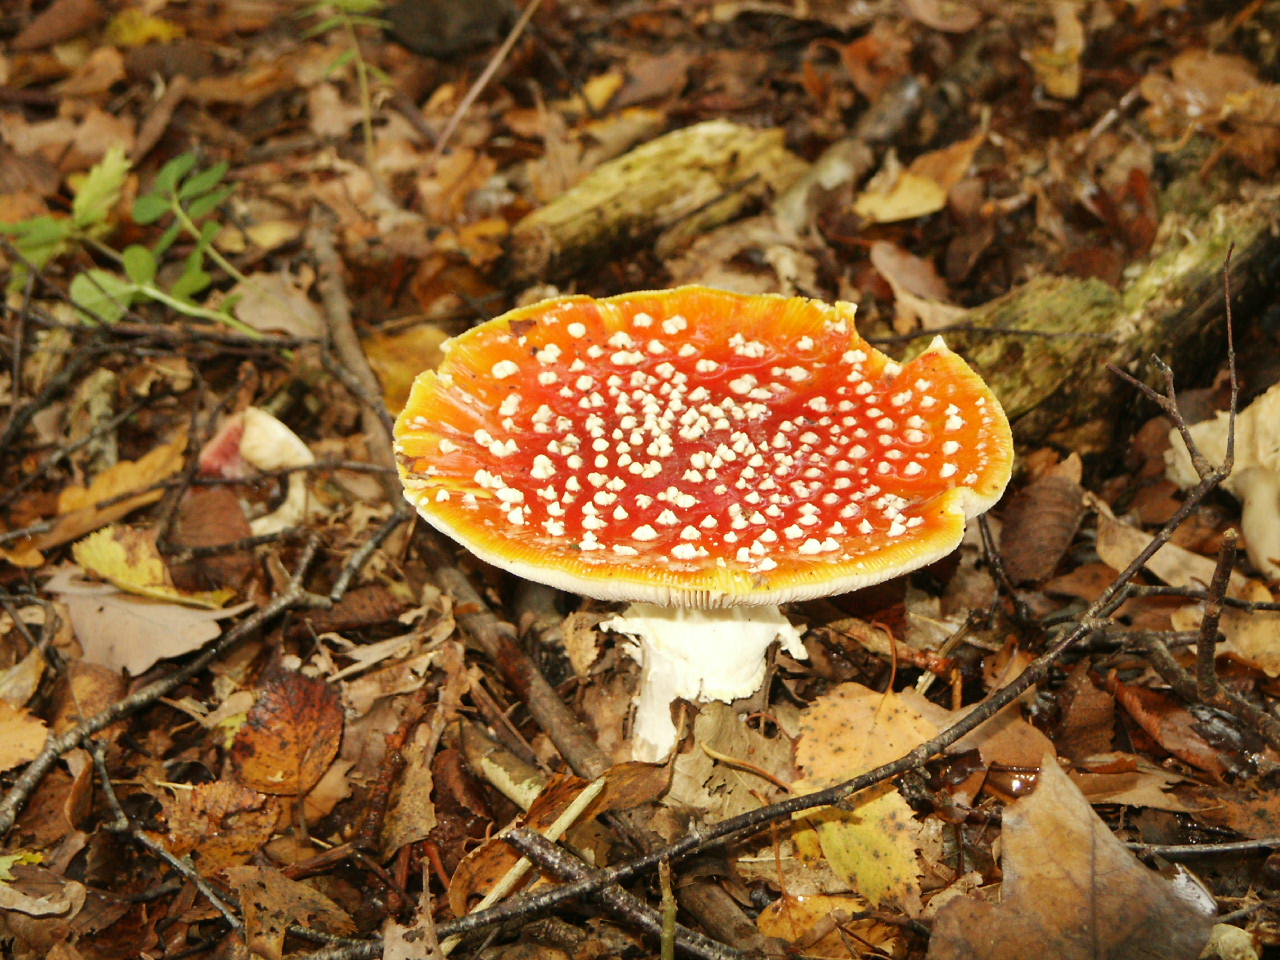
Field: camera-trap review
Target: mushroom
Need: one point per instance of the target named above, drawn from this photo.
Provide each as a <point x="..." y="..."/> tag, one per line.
<point x="705" y="455"/>
<point x="251" y="441"/>
<point x="1255" y="476"/>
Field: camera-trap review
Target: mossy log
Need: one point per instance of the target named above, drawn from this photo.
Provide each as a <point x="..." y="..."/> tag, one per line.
<point x="1051" y="340"/>
<point x="670" y="189"/>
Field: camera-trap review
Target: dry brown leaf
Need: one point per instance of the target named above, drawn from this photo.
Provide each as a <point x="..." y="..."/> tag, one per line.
<point x="922" y="188"/>
<point x="271" y="902"/>
<point x="290" y="736"/>
<point x="701" y="780"/>
<point x="1171" y="725"/>
<point x="1119" y="544"/>
<point x="1039" y="523"/>
<point x="1071" y="891"/>
<point x="221" y="824"/>
<point x="809" y="922"/>
<point x="1005" y="739"/>
<point x="949" y="16"/>
<point x="121" y="632"/>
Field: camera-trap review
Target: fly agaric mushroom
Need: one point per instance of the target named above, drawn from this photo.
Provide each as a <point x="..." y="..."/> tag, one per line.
<point x="699" y="453"/>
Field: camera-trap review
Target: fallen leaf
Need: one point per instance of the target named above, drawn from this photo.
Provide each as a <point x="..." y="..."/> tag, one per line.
<point x="809" y="922"/>
<point x="918" y="291"/>
<point x="121" y="632"/>
<point x="22" y="736"/>
<point x="78" y="506"/>
<point x="873" y="846"/>
<point x="398" y="358"/>
<point x="272" y="902"/>
<point x="1057" y="65"/>
<point x="1170" y="725"/>
<point x="61" y="20"/>
<point x="1071" y="891"/>
<point x="127" y="557"/>
<point x="949" y="16"/>
<point x="276" y="303"/>
<point x="1039" y="523"/>
<point x="1118" y="544"/>
<point x="718" y="788"/>
<point x="919" y="190"/>
<point x="220" y="824"/>
<point x="290" y="736"/>
<point x="1005" y="739"/>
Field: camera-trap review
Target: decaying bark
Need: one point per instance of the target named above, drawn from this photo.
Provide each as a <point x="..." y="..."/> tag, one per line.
<point x="671" y="189"/>
<point x="1057" y="388"/>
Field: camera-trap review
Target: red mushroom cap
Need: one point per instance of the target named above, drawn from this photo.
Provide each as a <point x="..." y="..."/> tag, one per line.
<point x="699" y="448"/>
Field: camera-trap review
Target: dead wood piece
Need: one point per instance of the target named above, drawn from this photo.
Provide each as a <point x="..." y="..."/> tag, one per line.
<point x="1050" y="340"/>
<point x="682" y="183"/>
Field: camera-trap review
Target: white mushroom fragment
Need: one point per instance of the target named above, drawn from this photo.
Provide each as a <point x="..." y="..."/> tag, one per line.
<point x="702" y="450"/>
<point x="1255" y="478"/>
<point x="251" y="441"/>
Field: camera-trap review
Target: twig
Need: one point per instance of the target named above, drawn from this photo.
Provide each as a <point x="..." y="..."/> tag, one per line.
<point x="568" y="817"/>
<point x="55" y="746"/>
<point x="482" y="81"/>
<point x="122" y="824"/>
<point x="565" y="730"/>
<point x="617" y="901"/>
<point x="1173" y="851"/>
<point x="57" y="456"/>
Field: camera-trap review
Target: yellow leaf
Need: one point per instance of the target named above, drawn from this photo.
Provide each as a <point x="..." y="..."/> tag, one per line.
<point x="22" y="736"/>
<point x="108" y="498"/>
<point x="800" y="920"/>
<point x="127" y="476"/>
<point x="873" y="848"/>
<point x="128" y="558"/>
<point x="133" y="28"/>
<point x="398" y="358"/>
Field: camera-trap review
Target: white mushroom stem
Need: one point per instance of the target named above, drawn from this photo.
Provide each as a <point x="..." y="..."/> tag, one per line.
<point x="696" y="654"/>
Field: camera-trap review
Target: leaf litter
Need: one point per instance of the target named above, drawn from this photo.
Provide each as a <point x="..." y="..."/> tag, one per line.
<point x="193" y="463"/>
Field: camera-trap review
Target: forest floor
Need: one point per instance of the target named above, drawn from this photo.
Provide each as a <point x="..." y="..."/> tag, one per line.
<point x="251" y="705"/>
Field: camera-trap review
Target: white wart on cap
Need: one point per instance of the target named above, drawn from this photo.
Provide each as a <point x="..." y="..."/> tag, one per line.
<point x="699" y="448"/>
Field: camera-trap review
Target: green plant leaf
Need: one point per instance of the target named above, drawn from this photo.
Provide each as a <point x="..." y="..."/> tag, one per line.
<point x="173" y="171"/>
<point x="161" y="246"/>
<point x="102" y="294"/>
<point x="150" y="207"/>
<point x="139" y="263"/>
<point x="202" y="206"/>
<point x="358" y="6"/>
<point x="340" y="61"/>
<point x="204" y="181"/>
<point x="324" y="26"/>
<point x="40" y="239"/>
<point x="193" y="280"/>
<point x="100" y="190"/>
